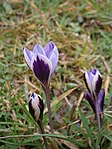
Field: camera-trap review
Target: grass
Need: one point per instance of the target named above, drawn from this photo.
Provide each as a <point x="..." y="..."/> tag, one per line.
<point x="82" y="32"/>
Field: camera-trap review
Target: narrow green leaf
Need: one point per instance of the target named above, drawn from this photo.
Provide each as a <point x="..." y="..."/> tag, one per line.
<point x="86" y="126"/>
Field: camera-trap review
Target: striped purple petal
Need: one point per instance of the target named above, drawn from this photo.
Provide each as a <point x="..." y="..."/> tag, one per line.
<point x="41" y="67"/>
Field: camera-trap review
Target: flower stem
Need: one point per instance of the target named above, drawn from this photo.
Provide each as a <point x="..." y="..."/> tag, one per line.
<point x="98" y="114"/>
<point x="98" y="119"/>
<point x="43" y="132"/>
<point x="47" y="93"/>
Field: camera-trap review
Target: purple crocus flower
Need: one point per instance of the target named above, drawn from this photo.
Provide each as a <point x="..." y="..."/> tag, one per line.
<point x="95" y="95"/>
<point x="93" y="81"/>
<point x="36" y="106"/>
<point x="42" y="61"/>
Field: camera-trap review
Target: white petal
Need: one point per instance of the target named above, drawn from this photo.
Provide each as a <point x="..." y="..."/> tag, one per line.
<point x="96" y="77"/>
<point x="88" y="81"/>
<point x="35" y="105"/>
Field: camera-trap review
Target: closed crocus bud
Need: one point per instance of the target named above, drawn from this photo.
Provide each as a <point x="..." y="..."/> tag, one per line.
<point x="36" y="106"/>
<point x="42" y="61"/>
<point x="93" y="81"/>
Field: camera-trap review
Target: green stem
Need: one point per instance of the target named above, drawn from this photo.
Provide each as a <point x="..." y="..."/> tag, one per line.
<point x="47" y="93"/>
<point x="43" y="132"/>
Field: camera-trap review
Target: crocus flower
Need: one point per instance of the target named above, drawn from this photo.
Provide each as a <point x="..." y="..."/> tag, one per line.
<point x="95" y="95"/>
<point x="42" y="61"/>
<point x="93" y="81"/>
<point x="36" y="106"/>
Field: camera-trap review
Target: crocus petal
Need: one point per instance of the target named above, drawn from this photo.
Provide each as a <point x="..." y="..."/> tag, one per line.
<point x="28" y="56"/>
<point x="52" y="53"/>
<point x="54" y="59"/>
<point x="97" y="83"/>
<point x="41" y="67"/>
<point x="49" y="47"/>
<point x="101" y="97"/>
<point x="41" y="106"/>
<point x="91" y="101"/>
<point x="88" y="78"/>
<point x="38" y="49"/>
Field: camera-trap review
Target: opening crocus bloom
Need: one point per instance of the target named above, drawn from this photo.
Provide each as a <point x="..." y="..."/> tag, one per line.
<point x="42" y="61"/>
<point x="95" y="95"/>
<point x="36" y="106"/>
<point x="93" y="81"/>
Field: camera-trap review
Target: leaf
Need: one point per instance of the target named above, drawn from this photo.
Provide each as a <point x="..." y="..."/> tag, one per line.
<point x="107" y="134"/>
<point x="86" y="126"/>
